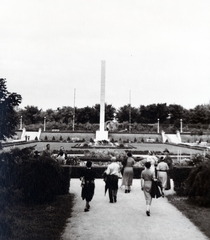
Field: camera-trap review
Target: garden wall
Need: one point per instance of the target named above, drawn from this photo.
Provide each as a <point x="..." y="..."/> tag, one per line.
<point x="90" y="135"/>
<point x="124" y="136"/>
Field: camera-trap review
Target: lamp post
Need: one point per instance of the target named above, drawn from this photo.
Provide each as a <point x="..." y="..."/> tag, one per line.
<point x="180" y="125"/>
<point x="158" y="126"/>
<point x="44" y="124"/>
<point x="21" y="122"/>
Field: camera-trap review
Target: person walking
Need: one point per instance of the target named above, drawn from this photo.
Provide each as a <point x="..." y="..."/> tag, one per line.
<point x="147" y="175"/>
<point x="88" y="185"/>
<point x="162" y="169"/>
<point x="128" y="173"/>
<point x="112" y="175"/>
<point x="169" y="161"/>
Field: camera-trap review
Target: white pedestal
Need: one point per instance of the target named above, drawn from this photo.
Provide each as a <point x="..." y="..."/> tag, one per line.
<point x="102" y="135"/>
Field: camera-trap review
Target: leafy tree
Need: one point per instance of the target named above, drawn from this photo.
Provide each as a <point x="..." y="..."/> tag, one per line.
<point x="150" y="113"/>
<point x="65" y="114"/>
<point x="123" y="114"/>
<point x="31" y="115"/>
<point x="8" y="116"/>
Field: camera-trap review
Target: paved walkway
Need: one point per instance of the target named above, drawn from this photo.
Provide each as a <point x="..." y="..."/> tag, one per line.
<point x="126" y="219"/>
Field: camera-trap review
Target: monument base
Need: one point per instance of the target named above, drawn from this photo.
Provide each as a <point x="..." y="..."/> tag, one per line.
<point x="101" y="135"/>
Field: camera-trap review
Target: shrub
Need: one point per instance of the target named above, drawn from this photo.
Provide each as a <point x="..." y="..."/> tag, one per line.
<point x="53" y="138"/>
<point x="46" y="138"/>
<point x="198" y="184"/>
<point x="68" y="139"/>
<point x="61" y="138"/>
<point x="24" y="178"/>
<point x="180" y="175"/>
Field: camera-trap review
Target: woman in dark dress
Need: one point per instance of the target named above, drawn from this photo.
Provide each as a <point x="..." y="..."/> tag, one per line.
<point x="88" y="185"/>
<point x="169" y="161"/>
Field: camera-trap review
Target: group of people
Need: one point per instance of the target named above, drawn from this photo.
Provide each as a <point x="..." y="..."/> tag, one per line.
<point x="155" y="178"/>
<point x="61" y="157"/>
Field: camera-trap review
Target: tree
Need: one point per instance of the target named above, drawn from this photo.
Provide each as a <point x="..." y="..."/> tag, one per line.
<point x="31" y="115"/>
<point x="8" y="116"/>
<point x="123" y="114"/>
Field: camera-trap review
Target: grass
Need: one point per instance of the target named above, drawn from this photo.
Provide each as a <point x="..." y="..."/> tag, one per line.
<point x="200" y="216"/>
<point x="45" y="221"/>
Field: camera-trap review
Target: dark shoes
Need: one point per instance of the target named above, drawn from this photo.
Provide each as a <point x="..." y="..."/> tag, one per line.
<point x="114" y="200"/>
<point x="126" y="191"/>
<point x="86" y="210"/>
<point x="148" y="213"/>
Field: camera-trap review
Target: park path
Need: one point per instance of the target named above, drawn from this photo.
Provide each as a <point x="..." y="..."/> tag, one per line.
<point x="126" y="219"/>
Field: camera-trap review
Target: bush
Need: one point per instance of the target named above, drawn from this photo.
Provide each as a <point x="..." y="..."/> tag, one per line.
<point x="198" y="184"/>
<point x="24" y="178"/>
<point x="180" y="175"/>
<point x="46" y="138"/>
<point x="40" y="181"/>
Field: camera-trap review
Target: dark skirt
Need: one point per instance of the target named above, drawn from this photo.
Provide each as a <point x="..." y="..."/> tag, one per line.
<point x="88" y="191"/>
<point x="112" y="182"/>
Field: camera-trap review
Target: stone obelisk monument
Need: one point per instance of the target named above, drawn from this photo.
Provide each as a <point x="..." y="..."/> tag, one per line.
<point x="102" y="134"/>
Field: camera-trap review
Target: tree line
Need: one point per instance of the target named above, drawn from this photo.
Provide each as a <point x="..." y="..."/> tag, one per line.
<point x="85" y="118"/>
<point x="142" y="118"/>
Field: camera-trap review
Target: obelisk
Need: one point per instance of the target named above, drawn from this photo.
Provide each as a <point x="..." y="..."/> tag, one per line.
<point x="102" y="134"/>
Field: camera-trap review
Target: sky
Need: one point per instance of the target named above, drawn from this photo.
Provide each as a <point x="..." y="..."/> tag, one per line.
<point x="155" y="52"/>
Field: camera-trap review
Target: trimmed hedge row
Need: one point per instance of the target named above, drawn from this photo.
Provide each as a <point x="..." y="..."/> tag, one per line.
<point x="23" y="178"/>
<point x="76" y="171"/>
<point x="178" y="174"/>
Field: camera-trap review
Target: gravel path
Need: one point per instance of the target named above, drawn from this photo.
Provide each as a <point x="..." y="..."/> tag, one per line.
<point x="127" y="218"/>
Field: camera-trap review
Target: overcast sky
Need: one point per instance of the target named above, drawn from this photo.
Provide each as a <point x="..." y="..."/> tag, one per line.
<point x="155" y="51"/>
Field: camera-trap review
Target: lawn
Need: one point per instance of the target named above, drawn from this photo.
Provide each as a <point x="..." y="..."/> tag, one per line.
<point x="200" y="216"/>
<point x="45" y="221"/>
<point x="138" y="146"/>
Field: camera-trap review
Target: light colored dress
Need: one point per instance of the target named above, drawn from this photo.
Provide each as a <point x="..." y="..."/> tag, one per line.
<point x="128" y="172"/>
<point x="162" y="169"/>
<point x="147" y="175"/>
